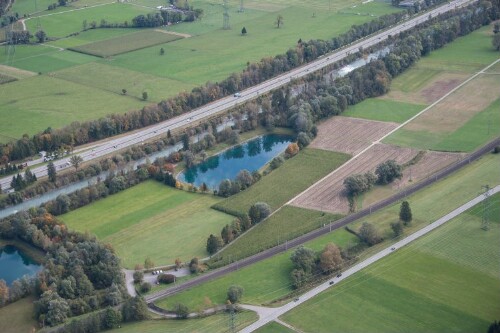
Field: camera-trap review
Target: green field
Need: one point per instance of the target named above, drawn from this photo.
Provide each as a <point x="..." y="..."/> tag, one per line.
<point x="43" y="59"/>
<point x="216" y="53"/>
<point x="152" y="220"/>
<point x="126" y="43"/>
<point x="212" y="54"/>
<point x="51" y="102"/>
<point x="18" y="317"/>
<point x="287" y="223"/>
<point x="273" y="327"/>
<point x="269" y="280"/>
<point x="104" y="77"/>
<point x="446" y="281"/>
<point x="263" y="282"/>
<point x="383" y="110"/>
<point x="293" y="177"/>
<point x="66" y="21"/>
<point x="218" y="323"/>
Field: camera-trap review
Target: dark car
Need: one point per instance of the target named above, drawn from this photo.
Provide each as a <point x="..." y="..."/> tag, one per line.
<point x="339" y="275"/>
<point x="331" y="282"/>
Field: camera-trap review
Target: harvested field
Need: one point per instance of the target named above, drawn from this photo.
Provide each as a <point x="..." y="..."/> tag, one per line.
<point x="328" y="195"/>
<point x="350" y="135"/>
<point x="429" y="164"/>
<point x="15" y="72"/>
<point x="454" y="111"/>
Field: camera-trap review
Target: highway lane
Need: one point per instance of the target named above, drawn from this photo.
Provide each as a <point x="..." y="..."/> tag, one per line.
<point x="103" y="148"/>
<point x="486" y="149"/>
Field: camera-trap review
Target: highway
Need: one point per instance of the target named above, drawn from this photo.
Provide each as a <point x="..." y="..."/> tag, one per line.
<point x="486" y="149"/>
<point x="100" y="149"/>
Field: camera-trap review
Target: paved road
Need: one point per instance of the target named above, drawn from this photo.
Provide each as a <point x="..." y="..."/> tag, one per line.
<point x="267" y="315"/>
<point x="103" y="148"/>
<point x="322" y="231"/>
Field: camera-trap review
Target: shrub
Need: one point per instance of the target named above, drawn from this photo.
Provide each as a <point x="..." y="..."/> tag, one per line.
<point x="145" y="287"/>
<point x="166" y="278"/>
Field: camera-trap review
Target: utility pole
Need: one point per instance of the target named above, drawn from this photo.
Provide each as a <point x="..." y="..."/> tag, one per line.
<point x="485" y="223"/>
<point x="242" y="8"/>
<point x="225" y="16"/>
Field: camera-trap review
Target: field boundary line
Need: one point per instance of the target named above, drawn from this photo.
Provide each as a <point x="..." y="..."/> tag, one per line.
<point x="392" y="131"/>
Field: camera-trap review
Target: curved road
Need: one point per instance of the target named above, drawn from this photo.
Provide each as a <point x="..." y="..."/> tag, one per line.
<point x="100" y="149"/>
<point x="322" y="231"/>
<point x="267" y="315"/>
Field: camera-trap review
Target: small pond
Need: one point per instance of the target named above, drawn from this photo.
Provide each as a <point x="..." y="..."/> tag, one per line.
<point x="14" y="264"/>
<point x="251" y="155"/>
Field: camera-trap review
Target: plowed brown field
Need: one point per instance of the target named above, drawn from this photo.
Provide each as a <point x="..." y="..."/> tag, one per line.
<point x="350" y="135"/>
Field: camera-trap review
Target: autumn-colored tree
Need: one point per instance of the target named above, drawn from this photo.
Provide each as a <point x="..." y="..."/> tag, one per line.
<point x="4" y="293"/>
<point x="292" y="149"/>
<point x="330" y="259"/>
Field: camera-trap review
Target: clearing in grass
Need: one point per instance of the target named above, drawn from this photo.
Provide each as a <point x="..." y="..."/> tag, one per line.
<point x="151" y="220"/>
<point x="126" y="43"/>
<point x="449" y="279"/>
<point x="282" y="184"/>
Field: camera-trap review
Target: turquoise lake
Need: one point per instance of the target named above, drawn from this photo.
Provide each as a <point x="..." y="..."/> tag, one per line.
<point x="251" y="155"/>
<point x="14" y="264"/>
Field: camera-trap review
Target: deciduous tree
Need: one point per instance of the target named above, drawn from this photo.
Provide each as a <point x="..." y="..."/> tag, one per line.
<point x="330" y="259"/>
<point x="234" y="294"/>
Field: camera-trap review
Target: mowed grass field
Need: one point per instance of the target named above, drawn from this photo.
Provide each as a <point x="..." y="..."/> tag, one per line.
<point x="269" y="280"/>
<point x="18" y="317"/>
<point x="446" y="281"/>
<point x="218" y="323"/>
<point x="273" y="327"/>
<point x="287" y="223"/>
<point x="383" y="110"/>
<point x="215" y="53"/>
<point x="67" y="21"/>
<point x="105" y="77"/>
<point x="52" y="102"/>
<point x="126" y="43"/>
<point x="151" y="220"/>
<point x="263" y="282"/>
<point x="282" y="184"/>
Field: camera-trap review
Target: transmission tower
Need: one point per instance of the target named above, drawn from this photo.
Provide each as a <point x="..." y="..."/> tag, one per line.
<point x="225" y="15"/>
<point x="485" y="225"/>
<point x="232" y="319"/>
<point x="38" y="23"/>
<point x="10" y="44"/>
<point x="242" y="8"/>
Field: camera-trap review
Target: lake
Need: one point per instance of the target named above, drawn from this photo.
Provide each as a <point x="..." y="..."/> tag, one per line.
<point x="251" y="155"/>
<point x="14" y="264"/>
